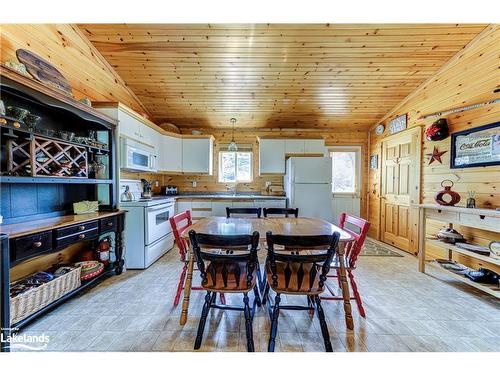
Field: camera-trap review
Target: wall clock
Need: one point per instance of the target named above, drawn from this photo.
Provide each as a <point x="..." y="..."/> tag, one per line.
<point x="379" y="130"/>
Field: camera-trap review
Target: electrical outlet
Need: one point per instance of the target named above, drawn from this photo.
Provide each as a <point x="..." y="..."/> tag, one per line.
<point x="268" y="183"/>
<point x="194" y="184"/>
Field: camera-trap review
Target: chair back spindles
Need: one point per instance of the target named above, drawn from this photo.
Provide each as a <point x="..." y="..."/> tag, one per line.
<point x="179" y="224"/>
<point x="250" y="211"/>
<point x="243" y="249"/>
<point x="353" y="248"/>
<point x="281" y="211"/>
<point x="310" y="254"/>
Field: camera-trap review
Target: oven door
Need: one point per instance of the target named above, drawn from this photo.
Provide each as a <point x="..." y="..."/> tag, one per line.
<point x="157" y="221"/>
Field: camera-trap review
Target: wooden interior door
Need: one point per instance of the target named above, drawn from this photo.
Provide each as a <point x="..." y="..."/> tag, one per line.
<point x="400" y="189"/>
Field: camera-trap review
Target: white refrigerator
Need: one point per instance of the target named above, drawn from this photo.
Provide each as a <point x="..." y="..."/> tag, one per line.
<point x="308" y="186"/>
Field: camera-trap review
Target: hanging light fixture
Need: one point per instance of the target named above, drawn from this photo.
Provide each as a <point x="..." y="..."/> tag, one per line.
<point x="232" y="146"/>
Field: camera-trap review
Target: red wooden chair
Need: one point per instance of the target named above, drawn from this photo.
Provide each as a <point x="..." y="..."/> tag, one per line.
<point x="352" y="251"/>
<point x="179" y="224"/>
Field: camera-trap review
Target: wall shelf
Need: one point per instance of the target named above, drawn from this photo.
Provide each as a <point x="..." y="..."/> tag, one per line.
<point x="488" y="288"/>
<point x="469" y="253"/>
<point x="480" y="218"/>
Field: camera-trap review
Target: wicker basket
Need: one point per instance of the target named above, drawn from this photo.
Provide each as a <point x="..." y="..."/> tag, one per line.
<point x="25" y="304"/>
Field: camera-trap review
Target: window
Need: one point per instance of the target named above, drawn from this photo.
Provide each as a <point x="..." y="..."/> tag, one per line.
<point x="344" y="171"/>
<point x="235" y="166"/>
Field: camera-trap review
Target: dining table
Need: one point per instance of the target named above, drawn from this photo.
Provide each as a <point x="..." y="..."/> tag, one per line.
<point x="277" y="225"/>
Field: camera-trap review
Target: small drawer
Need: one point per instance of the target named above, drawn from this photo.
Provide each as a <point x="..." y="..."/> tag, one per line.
<point x="480" y="221"/>
<point x="61" y="243"/>
<point x="201" y="204"/>
<point x="108" y="224"/>
<point x="30" y="246"/>
<point x="442" y="215"/>
<point x="66" y="231"/>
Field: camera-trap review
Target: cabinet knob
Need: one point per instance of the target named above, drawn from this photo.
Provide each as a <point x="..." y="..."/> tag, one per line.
<point x="37" y="244"/>
<point x="81" y="236"/>
<point x="81" y="227"/>
<point x="110" y="224"/>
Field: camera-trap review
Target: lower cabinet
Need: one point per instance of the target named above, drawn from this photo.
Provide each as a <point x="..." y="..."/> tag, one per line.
<point x="207" y="208"/>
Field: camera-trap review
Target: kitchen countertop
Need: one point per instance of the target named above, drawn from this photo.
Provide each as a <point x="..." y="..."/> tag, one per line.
<point x="228" y="196"/>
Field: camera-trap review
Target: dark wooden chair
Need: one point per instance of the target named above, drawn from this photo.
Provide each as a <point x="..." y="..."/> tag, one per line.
<point x="281" y="211"/>
<point x="352" y="251"/>
<point x="179" y="224"/>
<point x="298" y="274"/>
<point x="227" y="273"/>
<point x="243" y="211"/>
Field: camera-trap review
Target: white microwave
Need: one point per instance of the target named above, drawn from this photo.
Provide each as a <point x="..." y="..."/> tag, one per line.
<point x="137" y="156"/>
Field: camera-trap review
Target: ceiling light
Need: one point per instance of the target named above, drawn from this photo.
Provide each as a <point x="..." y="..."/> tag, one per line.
<point x="232" y="146"/>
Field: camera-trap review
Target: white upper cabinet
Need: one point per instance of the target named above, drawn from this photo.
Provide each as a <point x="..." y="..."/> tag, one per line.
<point x="294" y="146"/>
<point x="170" y="154"/>
<point x="197" y="155"/>
<point x="314" y="146"/>
<point x="273" y="151"/>
<point x="272" y="156"/>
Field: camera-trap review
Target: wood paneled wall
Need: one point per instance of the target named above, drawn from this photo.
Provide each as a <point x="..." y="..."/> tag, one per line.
<point x="249" y="136"/>
<point x="470" y="77"/>
<point x="64" y="45"/>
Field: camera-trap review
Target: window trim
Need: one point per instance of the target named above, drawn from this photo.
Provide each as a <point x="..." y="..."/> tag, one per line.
<point x="236" y="167"/>
<point x="357" y="179"/>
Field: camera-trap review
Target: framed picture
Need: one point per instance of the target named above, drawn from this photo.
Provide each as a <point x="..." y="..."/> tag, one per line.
<point x="397" y="124"/>
<point x="374" y="161"/>
<point x="478" y="147"/>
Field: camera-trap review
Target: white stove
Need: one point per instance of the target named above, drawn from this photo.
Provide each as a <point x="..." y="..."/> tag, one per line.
<point x="148" y="234"/>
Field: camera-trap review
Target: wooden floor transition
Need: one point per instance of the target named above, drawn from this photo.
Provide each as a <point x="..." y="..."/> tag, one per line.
<point x="406" y="311"/>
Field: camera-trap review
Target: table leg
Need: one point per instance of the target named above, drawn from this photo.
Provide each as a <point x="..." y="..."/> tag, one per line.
<point x="187" y="291"/>
<point x="345" y="289"/>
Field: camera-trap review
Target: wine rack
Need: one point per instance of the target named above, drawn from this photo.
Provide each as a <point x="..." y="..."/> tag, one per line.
<point x="44" y="157"/>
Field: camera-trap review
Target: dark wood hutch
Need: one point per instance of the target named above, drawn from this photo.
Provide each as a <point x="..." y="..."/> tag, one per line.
<point x="68" y="156"/>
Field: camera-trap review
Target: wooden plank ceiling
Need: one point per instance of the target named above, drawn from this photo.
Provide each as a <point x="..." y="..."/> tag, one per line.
<point x="276" y="75"/>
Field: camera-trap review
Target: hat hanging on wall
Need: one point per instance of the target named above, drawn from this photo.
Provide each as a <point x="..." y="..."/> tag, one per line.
<point x="438" y="130"/>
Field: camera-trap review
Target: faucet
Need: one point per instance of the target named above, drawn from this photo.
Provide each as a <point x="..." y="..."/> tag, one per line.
<point x="233" y="189"/>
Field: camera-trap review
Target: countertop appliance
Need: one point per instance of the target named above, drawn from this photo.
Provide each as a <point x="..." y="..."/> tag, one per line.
<point x="308" y="186"/>
<point x="148" y="234"/>
<point x="169" y="190"/>
<point x="137" y="156"/>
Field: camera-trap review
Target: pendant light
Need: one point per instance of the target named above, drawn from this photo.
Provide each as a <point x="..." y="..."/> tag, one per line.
<point x="232" y="146"/>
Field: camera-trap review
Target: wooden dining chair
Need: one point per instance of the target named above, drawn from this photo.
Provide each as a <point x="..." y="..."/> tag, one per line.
<point x="298" y="274"/>
<point x="227" y="273"/>
<point x="243" y="211"/>
<point x="179" y="224"/>
<point x="351" y="254"/>
<point x="281" y="211"/>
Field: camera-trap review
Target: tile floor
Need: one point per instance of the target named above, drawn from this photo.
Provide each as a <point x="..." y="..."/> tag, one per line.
<point x="406" y="311"/>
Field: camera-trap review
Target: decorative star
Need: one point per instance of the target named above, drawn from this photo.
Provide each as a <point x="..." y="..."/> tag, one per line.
<point x="436" y="155"/>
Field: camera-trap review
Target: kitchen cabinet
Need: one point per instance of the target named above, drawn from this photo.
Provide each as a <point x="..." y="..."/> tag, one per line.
<point x="197" y="155"/>
<point x="181" y="206"/>
<point x="278" y="203"/>
<point x="314" y="146"/>
<point x="130" y="123"/>
<point x="294" y="146"/>
<point x="272" y="156"/>
<point x="170" y="154"/>
<point x="219" y="207"/>
<point x="272" y="152"/>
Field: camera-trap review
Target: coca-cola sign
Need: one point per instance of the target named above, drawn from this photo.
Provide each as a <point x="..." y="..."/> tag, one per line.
<point x="476" y="147"/>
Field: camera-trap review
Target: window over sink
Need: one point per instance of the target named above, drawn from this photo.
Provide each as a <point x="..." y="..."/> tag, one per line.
<point x="235" y="166"/>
